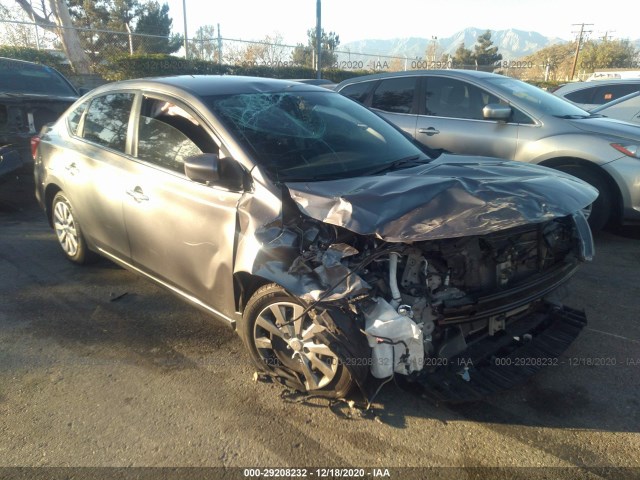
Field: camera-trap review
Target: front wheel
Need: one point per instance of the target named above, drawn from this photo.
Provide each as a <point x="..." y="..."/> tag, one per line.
<point x="281" y="343"/>
<point x="68" y="231"/>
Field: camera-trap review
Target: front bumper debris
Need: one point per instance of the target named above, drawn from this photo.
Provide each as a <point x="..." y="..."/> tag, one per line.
<point x="502" y="362"/>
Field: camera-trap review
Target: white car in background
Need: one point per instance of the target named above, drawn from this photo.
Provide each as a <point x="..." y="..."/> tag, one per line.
<point x="592" y="94"/>
<point x="626" y="108"/>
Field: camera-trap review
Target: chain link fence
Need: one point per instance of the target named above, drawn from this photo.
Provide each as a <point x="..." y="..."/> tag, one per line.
<point x="104" y="48"/>
<point x="102" y="45"/>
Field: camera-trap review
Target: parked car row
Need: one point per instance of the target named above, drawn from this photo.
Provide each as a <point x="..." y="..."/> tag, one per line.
<point x="347" y="242"/>
<point x="470" y="112"/>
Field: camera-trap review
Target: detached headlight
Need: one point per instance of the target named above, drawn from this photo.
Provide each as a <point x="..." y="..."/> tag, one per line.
<point x="629" y="150"/>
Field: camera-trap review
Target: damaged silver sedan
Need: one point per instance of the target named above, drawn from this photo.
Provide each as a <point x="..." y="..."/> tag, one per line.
<point x="343" y="253"/>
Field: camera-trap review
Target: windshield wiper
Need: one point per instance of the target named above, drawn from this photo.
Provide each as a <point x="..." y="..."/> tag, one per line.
<point x="411" y="161"/>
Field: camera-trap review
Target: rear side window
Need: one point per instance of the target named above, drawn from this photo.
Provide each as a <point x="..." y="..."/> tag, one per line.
<point x="395" y="95"/>
<point x="581" y="96"/>
<point x="107" y="120"/>
<point x="357" y="91"/>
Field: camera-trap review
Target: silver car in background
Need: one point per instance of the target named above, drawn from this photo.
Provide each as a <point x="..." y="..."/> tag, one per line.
<point x="470" y="112"/>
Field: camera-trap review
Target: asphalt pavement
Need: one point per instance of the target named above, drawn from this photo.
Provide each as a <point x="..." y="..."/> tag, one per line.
<point x="101" y="368"/>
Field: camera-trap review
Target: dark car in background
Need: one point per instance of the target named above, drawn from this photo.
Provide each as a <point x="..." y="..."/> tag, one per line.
<point x="477" y="113"/>
<point x="31" y="95"/>
<point x="337" y="249"/>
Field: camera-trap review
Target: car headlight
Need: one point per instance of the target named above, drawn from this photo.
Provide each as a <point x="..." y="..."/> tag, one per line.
<point x="630" y="150"/>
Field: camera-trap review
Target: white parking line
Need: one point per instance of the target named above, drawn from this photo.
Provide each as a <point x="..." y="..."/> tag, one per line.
<point x="613" y="335"/>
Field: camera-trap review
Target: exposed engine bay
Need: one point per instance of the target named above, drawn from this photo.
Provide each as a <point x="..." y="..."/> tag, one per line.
<point x="420" y="304"/>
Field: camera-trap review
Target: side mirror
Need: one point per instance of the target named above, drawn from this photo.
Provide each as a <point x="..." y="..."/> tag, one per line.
<point x="203" y="168"/>
<point x="496" y="111"/>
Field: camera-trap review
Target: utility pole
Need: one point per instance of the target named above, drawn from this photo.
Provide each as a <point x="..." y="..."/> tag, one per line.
<point x="318" y="39"/>
<point x="184" y="16"/>
<point x="219" y="46"/>
<point x="607" y="35"/>
<point x="578" y="45"/>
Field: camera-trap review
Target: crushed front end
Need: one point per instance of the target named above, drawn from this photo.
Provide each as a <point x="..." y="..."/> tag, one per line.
<point x="460" y="318"/>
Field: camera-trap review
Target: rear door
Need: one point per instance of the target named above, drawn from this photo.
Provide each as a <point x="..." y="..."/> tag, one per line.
<point x="97" y="166"/>
<point x="395" y="99"/>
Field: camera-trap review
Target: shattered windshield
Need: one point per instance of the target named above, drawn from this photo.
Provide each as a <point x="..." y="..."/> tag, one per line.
<point x="306" y="136"/>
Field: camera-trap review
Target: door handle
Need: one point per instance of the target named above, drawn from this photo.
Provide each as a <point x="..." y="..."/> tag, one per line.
<point x="138" y="195"/>
<point x="428" y="131"/>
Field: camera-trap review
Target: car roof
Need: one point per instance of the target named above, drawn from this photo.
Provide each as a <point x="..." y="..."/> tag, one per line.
<point x="205" y="85"/>
<point x="575" y="86"/>
<point x="24" y="62"/>
<point x="457" y="73"/>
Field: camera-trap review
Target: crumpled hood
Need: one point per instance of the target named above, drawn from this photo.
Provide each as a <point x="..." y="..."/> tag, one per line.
<point x="608" y="126"/>
<point x="452" y="196"/>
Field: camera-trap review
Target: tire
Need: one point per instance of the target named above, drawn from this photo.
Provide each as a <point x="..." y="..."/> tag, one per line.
<point x="292" y="352"/>
<point x="600" y="212"/>
<point x="68" y="231"/>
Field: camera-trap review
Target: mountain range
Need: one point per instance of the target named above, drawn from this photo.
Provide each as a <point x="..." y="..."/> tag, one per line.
<point x="511" y="44"/>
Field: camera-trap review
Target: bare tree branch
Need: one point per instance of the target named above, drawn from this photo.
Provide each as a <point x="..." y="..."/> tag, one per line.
<point x="39" y="19"/>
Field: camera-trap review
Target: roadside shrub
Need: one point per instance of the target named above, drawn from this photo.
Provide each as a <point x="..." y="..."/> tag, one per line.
<point x="137" y="66"/>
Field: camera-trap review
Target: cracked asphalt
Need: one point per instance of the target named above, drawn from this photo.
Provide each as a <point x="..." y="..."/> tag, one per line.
<point x="101" y="368"/>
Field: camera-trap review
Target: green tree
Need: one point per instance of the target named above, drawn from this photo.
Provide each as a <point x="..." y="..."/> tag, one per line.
<point x="94" y="18"/>
<point x="463" y="56"/>
<point x="204" y="45"/>
<point x="303" y="55"/>
<point x="484" y="52"/>
<point x="155" y="20"/>
<point x="552" y="63"/>
<point x="607" y="54"/>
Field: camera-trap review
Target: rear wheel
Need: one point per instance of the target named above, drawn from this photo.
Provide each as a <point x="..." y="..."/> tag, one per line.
<point x="68" y="231"/>
<point x="600" y="212"/>
<point x="280" y="342"/>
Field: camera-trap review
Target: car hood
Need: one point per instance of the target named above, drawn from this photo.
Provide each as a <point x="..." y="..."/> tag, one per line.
<point x="609" y="127"/>
<point x="17" y="96"/>
<point x="452" y="196"/>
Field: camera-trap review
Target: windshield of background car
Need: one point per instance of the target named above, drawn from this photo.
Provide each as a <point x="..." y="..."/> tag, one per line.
<point x="16" y="77"/>
<point x="306" y="136"/>
<point x="544" y="102"/>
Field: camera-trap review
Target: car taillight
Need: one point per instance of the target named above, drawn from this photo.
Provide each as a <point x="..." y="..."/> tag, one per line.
<point x="35" y="142"/>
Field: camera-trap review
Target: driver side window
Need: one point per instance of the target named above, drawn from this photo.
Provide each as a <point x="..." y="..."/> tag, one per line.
<point x="167" y="133"/>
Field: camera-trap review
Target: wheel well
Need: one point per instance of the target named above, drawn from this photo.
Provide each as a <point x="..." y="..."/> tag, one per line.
<point x="49" y="193"/>
<point x="244" y="286"/>
<point x="558" y="163"/>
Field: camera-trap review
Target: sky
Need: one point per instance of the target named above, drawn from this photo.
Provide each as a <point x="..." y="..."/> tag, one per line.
<point x="356" y="20"/>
